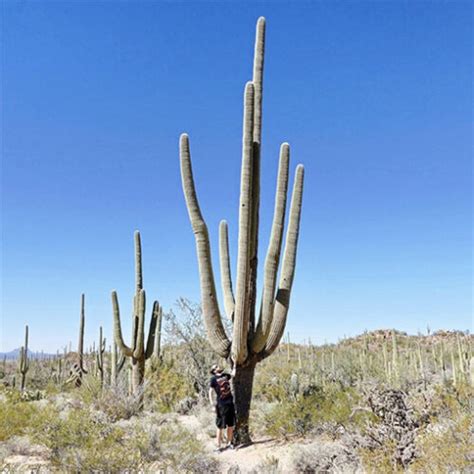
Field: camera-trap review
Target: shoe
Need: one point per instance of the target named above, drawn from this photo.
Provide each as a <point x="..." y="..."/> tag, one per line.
<point x="231" y="446"/>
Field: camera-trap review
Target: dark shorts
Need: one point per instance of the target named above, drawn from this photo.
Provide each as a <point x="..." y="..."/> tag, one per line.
<point x="225" y="415"/>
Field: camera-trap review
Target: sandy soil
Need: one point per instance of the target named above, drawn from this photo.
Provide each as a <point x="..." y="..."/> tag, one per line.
<point x="247" y="458"/>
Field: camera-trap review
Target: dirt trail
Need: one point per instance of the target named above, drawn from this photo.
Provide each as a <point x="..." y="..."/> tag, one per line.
<point x="246" y="458"/>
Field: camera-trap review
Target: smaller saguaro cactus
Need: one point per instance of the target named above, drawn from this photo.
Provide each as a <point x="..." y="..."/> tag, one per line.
<point x="395" y="362"/>
<point x="137" y="351"/>
<point x="116" y="363"/>
<point x="59" y="368"/>
<point x="23" y="362"/>
<point x="385" y="361"/>
<point x="453" y="370"/>
<point x="78" y="370"/>
<point x="100" y="357"/>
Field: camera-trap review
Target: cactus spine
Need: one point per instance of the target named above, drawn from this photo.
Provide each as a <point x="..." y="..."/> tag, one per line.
<point x="24" y="363"/>
<point x="251" y="341"/>
<point x="138" y="352"/>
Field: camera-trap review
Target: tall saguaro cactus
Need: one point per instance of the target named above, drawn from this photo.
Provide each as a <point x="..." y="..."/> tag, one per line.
<point x="24" y="363"/>
<point x="137" y="351"/>
<point x="251" y="340"/>
<point x="77" y="370"/>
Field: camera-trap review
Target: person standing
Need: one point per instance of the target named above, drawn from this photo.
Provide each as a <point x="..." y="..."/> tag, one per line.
<point x="220" y="397"/>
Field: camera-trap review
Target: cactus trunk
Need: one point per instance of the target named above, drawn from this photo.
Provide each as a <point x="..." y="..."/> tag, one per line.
<point x="138" y="377"/>
<point x="242" y="386"/>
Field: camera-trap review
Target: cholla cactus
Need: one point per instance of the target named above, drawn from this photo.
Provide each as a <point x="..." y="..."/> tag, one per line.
<point x="252" y="340"/>
<point x="137" y="351"/>
<point x="23" y="362"/>
<point x="294" y="385"/>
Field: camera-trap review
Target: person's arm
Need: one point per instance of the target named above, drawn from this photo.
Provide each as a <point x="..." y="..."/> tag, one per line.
<point x="212" y="394"/>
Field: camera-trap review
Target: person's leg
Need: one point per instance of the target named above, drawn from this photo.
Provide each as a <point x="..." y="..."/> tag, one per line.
<point x="230" y="423"/>
<point x="230" y="435"/>
<point x="220" y="427"/>
<point x="219" y="432"/>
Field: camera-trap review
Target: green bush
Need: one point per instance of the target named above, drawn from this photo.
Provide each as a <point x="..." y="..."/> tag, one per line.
<point x="303" y="414"/>
<point x="167" y="387"/>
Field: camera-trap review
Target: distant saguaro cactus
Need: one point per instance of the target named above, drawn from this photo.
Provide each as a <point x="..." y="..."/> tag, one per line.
<point x="138" y="351"/>
<point x="100" y="357"/>
<point x="23" y="362"/>
<point x="251" y="341"/>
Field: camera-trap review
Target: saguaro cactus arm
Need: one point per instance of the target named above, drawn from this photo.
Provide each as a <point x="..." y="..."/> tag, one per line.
<point x="258" y="62"/>
<point x="226" y="279"/>
<point x="282" y="299"/>
<point x="272" y="260"/>
<point x="118" y="328"/>
<point x="212" y="318"/>
<point x="100" y="351"/>
<point x="241" y="316"/>
<point x="152" y="333"/>
<point x="157" y="345"/>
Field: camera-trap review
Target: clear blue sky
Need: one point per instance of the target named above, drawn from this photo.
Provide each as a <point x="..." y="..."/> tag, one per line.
<point x="374" y="98"/>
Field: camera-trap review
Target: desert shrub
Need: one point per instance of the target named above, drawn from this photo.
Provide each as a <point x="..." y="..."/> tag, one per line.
<point x="167" y="386"/>
<point x="114" y="401"/>
<point x="171" y="447"/>
<point x="18" y="417"/>
<point x="270" y="465"/>
<point x="207" y="419"/>
<point x="85" y="442"/>
<point x="192" y="354"/>
<point x="331" y="405"/>
<point x="184" y="406"/>
<point x="323" y="457"/>
<point x="273" y="382"/>
<point x="388" y="438"/>
<point x="445" y="447"/>
<point x="22" y="445"/>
